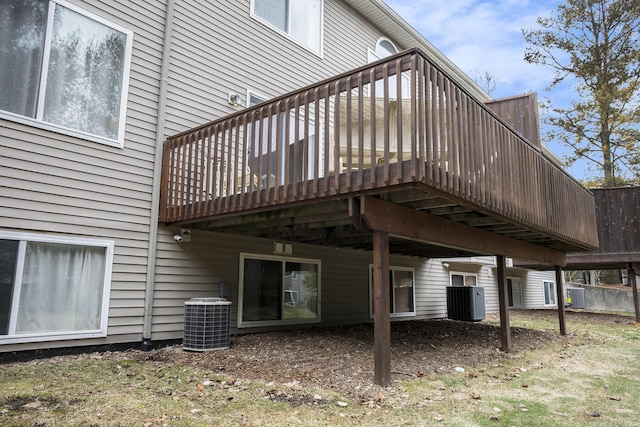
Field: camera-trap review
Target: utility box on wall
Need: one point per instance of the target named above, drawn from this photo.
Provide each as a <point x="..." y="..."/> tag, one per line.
<point x="206" y="324"/>
<point x="465" y="303"/>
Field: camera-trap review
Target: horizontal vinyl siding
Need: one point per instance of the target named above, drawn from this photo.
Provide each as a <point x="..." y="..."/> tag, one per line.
<point x="431" y="287"/>
<point x="194" y="269"/>
<point x="533" y="288"/>
<point x="60" y="185"/>
<point x="432" y="299"/>
<point x="218" y="48"/>
<point x="239" y="49"/>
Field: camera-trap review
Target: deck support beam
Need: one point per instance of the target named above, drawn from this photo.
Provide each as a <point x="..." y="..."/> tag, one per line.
<point x="381" y="309"/>
<point x="560" y="300"/>
<point x="415" y="225"/>
<point x="503" y="299"/>
<point x="633" y="281"/>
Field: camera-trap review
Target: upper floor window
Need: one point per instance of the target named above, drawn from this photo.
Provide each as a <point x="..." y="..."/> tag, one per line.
<point x="299" y="19"/>
<point x="384" y="48"/>
<point x="64" y="69"/>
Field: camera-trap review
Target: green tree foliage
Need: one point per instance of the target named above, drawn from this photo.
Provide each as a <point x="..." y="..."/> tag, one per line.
<point x="594" y="45"/>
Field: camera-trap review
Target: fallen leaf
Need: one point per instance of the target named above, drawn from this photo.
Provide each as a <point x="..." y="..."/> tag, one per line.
<point x="32" y="405"/>
<point x="616" y="398"/>
<point x="476" y="395"/>
<point x="200" y="387"/>
<point x="380" y="398"/>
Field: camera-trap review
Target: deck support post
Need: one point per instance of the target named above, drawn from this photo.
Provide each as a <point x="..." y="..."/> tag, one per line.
<point x="503" y="299"/>
<point x="560" y="300"/>
<point x="381" y="306"/>
<point x="633" y="281"/>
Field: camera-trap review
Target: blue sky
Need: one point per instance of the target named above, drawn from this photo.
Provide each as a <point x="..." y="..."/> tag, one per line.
<point x="486" y="36"/>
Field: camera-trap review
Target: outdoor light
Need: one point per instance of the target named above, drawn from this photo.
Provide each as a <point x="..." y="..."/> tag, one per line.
<point x="234" y="99"/>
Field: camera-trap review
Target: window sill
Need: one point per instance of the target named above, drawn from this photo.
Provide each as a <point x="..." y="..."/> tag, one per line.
<point x="57" y="336"/>
<point x="60" y="130"/>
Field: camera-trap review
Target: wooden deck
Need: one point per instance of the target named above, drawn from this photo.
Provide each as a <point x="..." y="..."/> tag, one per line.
<point x="308" y="167"/>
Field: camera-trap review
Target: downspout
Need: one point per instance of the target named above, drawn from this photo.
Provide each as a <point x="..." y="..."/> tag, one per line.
<point x="157" y="169"/>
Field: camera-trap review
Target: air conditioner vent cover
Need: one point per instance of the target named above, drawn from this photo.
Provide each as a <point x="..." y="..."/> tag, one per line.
<point x="465" y="303"/>
<point x="206" y="324"/>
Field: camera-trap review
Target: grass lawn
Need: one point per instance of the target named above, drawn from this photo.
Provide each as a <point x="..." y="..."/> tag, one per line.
<point x="590" y="377"/>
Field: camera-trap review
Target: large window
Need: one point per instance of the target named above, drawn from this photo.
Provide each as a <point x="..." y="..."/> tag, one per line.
<point x="275" y="290"/>
<point x="63" y="69"/>
<point x="299" y="19"/>
<point x="53" y="288"/>
<point x="549" y="293"/>
<point x="401" y="291"/>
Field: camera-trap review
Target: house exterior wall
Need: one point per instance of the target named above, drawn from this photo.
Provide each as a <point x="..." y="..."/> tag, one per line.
<point x="58" y="185"/>
<point x="198" y="89"/>
<point x="533" y="288"/>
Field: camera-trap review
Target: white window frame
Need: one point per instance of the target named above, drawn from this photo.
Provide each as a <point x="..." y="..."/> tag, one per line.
<point x="319" y="53"/>
<point x="284" y="259"/>
<point x="374" y="55"/>
<point x="40" y="123"/>
<point x="392" y="312"/>
<point x="109" y="246"/>
<point x="550" y="286"/>
<point x="464" y="274"/>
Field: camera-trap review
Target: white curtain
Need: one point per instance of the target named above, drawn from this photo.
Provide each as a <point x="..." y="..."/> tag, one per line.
<point x="306" y="22"/>
<point x="62" y="288"/>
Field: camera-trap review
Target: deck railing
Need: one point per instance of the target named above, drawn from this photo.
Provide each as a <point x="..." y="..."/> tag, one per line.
<point x="398" y="120"/>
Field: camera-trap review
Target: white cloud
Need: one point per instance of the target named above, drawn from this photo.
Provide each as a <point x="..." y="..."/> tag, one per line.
<point x="486" y="36"/>
<point x="482" y="36"/>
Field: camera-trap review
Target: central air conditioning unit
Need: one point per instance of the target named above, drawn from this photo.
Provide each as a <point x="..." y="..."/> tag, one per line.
<point x="206" y="324"/>
<point x="575" y="298"/>
<point x="465" y="303"/>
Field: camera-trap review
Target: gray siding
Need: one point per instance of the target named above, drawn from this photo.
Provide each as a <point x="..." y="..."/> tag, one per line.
<point x="239" y="60"/>
<point x="533" y="288"/>
<point x="236" y="61"/>
<point x="59" y="185"/>
<point x="195" y="269"/>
